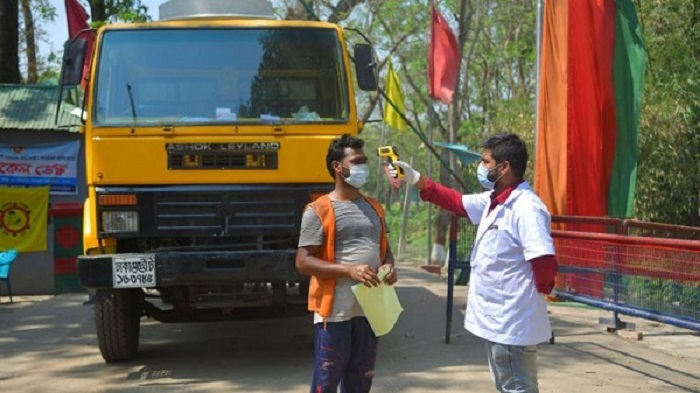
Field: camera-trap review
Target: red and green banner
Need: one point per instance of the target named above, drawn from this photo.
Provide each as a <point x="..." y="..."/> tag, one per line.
<point x="592" y="67"/>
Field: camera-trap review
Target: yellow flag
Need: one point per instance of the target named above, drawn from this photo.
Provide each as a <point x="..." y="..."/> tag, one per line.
<point x="395" y="94"/>
<point x="23" y="218"/>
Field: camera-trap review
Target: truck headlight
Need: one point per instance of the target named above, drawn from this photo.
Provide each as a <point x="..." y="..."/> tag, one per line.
<point x="120" y="221"/>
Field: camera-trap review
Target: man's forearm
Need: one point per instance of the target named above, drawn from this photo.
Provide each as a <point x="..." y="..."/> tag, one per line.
<point x="544" y="269"/>
<point x="313" y="266"/>
<point x="445" y="197"/>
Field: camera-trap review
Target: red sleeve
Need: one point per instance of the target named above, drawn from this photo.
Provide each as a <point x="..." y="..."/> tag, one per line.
<point x="545" y="270"/>
<point x="444" y="197"/>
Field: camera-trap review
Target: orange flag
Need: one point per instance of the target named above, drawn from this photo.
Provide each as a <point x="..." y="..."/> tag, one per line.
<point x="443" y="59"/>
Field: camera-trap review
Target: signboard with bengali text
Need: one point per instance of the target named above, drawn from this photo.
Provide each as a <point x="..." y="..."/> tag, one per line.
<point x="54" y="165"/>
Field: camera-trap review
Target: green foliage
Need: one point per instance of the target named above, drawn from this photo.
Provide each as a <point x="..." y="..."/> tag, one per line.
<point x="101" y="12"/>
<point x="106" y="11"/>
<point x="667" y="188"/>
<point x="498" y="87"/>
<point x="49" y="73"/>
<point x="415" y="247"/>
<point x="44" y="10"/>
<point x="667" y="296"/>
<point x="36" y="65"/>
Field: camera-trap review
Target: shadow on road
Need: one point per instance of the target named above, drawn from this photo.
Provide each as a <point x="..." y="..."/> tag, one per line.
<point x="51" y="345"/>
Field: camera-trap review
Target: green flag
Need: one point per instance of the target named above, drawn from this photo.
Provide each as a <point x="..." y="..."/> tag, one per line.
<point x="393" y="90"/>
<point x="628" y="76"/>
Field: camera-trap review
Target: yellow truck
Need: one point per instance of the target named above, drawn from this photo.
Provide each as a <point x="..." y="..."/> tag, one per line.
<point x="205" y="137"/>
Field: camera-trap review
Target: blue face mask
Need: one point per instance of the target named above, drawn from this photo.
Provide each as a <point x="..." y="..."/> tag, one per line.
<point x="359" y="175"/>
<point x="483" y="175"/>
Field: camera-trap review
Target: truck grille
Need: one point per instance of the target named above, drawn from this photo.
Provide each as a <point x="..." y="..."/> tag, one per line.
<point x="272" y="211"/>
<point x="227" y="213"/>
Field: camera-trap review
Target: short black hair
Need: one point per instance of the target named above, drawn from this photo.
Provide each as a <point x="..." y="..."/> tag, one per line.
<point x="508" y="147"/>
<point x="336" y="150"/>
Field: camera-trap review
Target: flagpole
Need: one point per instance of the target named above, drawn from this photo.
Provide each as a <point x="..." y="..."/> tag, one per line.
<point x="430" y="135"/>
<point x="538" y="67"/>
<point x="379" y="178"/>
<point x="430" y="175"/>
<point x="404" y="220"/>
<point x="379" y="159"/>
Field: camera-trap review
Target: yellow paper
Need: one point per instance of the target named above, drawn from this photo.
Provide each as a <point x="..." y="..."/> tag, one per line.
<point x="380" y="305"/>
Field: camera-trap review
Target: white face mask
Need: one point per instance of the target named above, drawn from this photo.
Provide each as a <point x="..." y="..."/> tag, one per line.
<point x="359" y="175"/>
<point x="483" y="175"/>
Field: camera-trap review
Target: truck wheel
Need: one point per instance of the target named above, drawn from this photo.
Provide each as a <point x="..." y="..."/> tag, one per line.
<point x="117" y="320"/>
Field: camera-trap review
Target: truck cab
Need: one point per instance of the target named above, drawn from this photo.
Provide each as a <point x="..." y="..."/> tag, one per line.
<point x="205" y="138"/>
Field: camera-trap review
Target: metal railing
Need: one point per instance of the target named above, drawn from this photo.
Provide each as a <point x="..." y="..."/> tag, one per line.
<point x="652" y="278"/>
<point x="627" y="266"/>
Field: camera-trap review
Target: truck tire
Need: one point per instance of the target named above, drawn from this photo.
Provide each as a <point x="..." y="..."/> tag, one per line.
<point x="117" y="321"/>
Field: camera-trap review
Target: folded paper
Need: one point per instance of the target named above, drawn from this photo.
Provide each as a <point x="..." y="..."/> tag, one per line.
<point x="380" y="305"/>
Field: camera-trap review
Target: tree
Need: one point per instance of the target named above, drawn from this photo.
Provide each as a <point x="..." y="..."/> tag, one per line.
<point x="9" y="42"/>
<point x="34" y="12"/>
<point x="102" y="11"/>
<point x="334" y="13"/>
<point x="669" y="141"/>
<point x="22" y="34"/>
<point x="30" y="41"/>
<point x="38" y="66"/>
<point x="496" y="88"/>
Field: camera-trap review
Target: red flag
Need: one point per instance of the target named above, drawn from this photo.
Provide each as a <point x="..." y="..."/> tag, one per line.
<point x="78" y="21"/>
<point x="443" y="59"/>
<point x="592" y="128"/>
<point x="77" y="18"/>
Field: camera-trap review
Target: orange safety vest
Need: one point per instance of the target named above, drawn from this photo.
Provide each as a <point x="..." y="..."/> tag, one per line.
<point x="322" y="290"/>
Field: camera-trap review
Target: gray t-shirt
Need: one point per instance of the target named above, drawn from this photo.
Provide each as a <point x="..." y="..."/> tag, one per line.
<point x="357" y="232"/>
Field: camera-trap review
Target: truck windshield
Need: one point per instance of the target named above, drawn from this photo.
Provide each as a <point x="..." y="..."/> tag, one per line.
<point x="214" y="75"/>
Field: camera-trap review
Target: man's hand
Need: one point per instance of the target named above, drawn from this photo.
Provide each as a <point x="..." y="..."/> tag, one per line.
<point x="409" y="174"/>
<point x="364" y="274"/>
<point x="390" y="277"/>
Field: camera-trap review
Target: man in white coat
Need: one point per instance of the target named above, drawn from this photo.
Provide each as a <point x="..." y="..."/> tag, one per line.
<point x="512" y="260"/>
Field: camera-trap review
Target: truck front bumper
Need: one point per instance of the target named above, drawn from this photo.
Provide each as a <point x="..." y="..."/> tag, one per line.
<point x="177" y="268"/>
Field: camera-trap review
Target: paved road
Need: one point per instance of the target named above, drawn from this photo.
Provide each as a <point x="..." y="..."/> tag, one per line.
<point x="48" y="344"/>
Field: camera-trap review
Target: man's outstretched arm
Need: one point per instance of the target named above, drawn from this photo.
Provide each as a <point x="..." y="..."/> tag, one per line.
<point x="432" y="191"/>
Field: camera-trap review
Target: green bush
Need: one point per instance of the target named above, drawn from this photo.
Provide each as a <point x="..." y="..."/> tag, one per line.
<point x="665" y="296"/>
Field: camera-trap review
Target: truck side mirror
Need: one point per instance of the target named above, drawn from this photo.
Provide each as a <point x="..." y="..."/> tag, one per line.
<point x="365" y="68"/>
<point x="73" y="61"/>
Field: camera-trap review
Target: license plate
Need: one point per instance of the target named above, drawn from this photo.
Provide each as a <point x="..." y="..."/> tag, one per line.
<point x="134" y="271"/>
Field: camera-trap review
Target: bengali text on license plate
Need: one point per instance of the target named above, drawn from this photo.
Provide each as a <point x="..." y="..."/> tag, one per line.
<point x="134" y="271"/>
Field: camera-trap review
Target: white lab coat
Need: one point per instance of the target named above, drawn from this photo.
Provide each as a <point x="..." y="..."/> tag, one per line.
<point x="503" y="305"/>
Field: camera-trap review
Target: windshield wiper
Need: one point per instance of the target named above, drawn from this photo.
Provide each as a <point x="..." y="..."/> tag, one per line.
<point x="131" y="100"/>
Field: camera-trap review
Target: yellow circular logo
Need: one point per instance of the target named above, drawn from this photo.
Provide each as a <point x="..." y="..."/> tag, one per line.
<point x="14" y="218"/>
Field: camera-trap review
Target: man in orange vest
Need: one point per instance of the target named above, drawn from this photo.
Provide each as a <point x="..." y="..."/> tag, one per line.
<point x="343" y="242"/>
